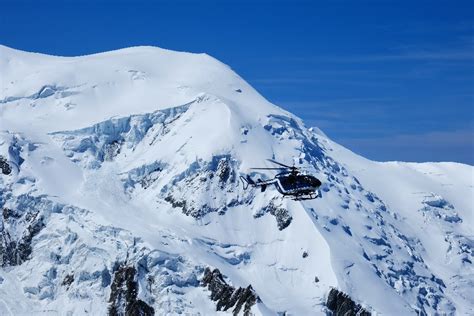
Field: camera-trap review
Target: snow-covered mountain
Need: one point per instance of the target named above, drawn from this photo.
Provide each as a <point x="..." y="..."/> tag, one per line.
<point x="120" y="194"/>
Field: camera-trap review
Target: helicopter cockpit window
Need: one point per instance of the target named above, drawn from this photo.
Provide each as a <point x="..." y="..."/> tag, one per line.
<point x="314" y="182"/>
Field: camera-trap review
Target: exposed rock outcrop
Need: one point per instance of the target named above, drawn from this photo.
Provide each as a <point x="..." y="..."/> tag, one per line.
<point x="340" y="304"/>
<point x="201" y="179"/>
<point x="4" y="166"/>
<point x="68" y="279"/>
<point x="226" y="295"/>
<point x="281" y="214"/>
<point x="16" y="251"/>
<point x="123" y="295"/>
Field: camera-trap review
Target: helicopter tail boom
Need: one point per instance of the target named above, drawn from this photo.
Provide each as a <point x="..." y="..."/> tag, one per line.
<point x="246" y="181"/>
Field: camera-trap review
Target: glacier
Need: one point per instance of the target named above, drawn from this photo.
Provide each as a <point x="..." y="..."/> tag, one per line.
<point x="120" y="195"/>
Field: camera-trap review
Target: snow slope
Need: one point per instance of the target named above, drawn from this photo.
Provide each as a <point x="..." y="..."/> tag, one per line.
<point x="132" y="158"/>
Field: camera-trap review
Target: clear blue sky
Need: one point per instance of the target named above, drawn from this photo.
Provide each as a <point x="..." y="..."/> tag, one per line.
<point x="391" y="80"/>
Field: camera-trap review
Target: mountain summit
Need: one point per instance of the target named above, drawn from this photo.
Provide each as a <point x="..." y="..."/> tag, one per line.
<point x="120" y="194"/>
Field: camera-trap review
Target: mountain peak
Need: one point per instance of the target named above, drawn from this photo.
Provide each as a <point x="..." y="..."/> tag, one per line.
<point x="76" y="91"/>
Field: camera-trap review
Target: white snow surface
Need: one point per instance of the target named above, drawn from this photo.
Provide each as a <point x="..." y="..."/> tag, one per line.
<point x="108" y="147"/>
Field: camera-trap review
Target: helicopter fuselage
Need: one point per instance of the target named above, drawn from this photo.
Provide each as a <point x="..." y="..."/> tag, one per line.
<point x="296" y="184"/>
<point x="293" y="184"/>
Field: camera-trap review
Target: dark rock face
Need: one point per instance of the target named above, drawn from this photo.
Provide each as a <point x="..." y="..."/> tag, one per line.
<point x="4" y="166"/>
<point x="16" y="251"/>
<point x="68" y="279"/>
<point x="342" y="305"/>
<point x="224" y="171"/>
<point x="281" y="214"/>
<point x="112" y="150"/>
<point x="227" y="296"/>
<point x="190" y="210"/>
<point x="8" y="213"/>
<point x="22" y="218"/>
<point x="202" y="178"/>
<point x="123" y="295"/>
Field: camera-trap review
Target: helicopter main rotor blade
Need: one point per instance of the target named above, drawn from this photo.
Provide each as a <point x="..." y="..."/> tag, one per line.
<point x="268" y="168"/>
<point x="279" y="163"/>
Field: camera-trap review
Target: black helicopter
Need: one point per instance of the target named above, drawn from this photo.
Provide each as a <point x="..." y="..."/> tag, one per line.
<point x="290" y="182"/>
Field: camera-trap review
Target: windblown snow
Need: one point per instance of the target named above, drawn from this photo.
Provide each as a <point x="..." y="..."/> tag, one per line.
<point x="120" y="194"/>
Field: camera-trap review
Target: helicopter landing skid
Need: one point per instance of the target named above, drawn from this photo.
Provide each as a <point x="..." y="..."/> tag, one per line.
<point x="309" y="196"/>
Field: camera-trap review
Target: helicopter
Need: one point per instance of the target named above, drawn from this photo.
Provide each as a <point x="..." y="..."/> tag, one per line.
<point x="289" y="182"/>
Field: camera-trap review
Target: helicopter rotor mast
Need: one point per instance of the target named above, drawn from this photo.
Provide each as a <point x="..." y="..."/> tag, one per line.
<point x="281" y="164"/>
<point x="284" y="168"/>
<point x="293" y="169"/>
